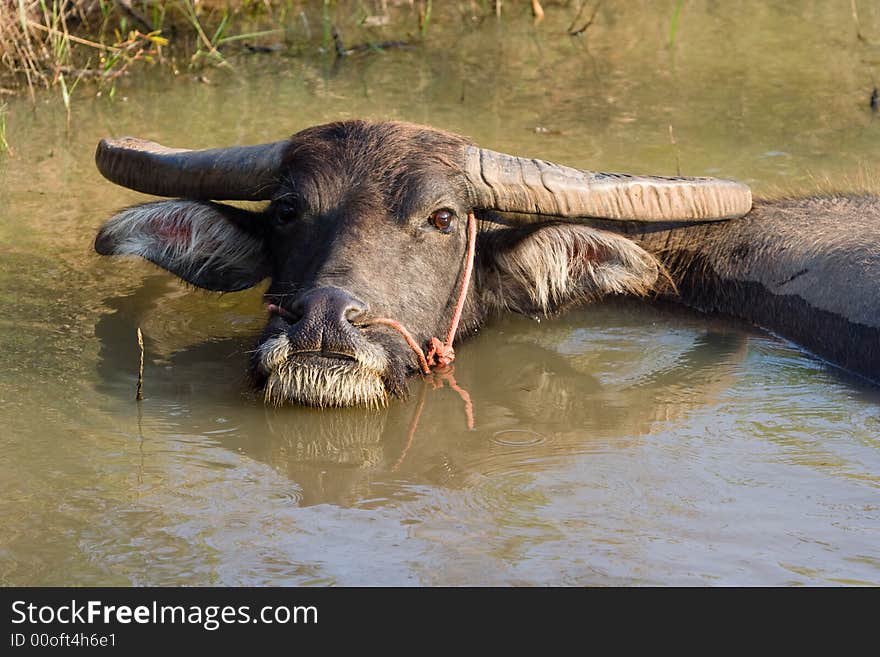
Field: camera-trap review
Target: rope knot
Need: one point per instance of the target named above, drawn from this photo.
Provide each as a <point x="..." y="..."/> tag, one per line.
<point x="440" y="353"/>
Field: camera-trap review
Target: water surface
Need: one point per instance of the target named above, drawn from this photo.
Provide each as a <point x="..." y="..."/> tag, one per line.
<point x="622" y="443"/>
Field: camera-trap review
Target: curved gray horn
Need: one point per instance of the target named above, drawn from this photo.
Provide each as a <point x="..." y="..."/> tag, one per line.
<point x="515" y="184"/>
<point x="247" y="173"/>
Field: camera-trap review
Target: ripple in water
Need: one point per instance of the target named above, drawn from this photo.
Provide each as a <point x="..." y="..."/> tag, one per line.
<point x="518" y="438"/>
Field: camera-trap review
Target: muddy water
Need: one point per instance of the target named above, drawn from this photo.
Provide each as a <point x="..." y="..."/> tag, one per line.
<point x="619" y="444"/>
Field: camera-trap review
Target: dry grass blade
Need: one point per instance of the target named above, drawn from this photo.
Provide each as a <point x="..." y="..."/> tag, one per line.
<point x="537" y="11"/>
<point x="4" y="145"/>
<point x="66" y="35"/>
<point x="140" y="387"/>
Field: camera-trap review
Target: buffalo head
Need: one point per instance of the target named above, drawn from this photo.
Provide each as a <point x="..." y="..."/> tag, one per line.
<point x="368" y="220"/>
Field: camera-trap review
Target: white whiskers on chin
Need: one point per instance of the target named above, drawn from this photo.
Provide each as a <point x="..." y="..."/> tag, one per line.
<point x="346" y="384"/>
<point x="290" y="379"/>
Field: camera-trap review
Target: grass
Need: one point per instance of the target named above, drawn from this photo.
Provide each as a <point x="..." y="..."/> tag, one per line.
<point x="51" y="42"/>
<point x="57" y="43"/>
<point x="4" y="145"/>
<point x="673" y="24"/>
<point x="62" y="44"/>
<point x="425" y="18"/>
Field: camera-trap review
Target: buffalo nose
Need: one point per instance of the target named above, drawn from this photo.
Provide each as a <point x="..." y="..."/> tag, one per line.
<point x="330" y="304"/>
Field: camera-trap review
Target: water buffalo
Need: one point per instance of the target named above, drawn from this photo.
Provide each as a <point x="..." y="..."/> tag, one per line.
<point x="373" y="229"/>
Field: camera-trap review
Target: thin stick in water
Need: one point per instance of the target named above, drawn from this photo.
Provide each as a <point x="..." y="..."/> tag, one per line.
<point x="140" y="389"/>
<point x="673" y="25"/>
<point x="537" y="11"/>
<point x="855" y="15"/>
<point x="675" y="148"/>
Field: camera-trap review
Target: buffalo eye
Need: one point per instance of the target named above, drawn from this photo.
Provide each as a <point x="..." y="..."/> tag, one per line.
<point x="285" y="211"/>
<point x="442" y="219"/>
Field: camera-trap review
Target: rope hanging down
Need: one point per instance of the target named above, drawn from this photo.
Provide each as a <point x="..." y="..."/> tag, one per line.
<point x="441" y="353"/>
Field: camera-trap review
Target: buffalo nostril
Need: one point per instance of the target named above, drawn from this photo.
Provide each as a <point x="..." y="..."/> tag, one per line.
<point x="355" y="312"/>
<point x="327" y="305"/>
<point x="289" y="316"/>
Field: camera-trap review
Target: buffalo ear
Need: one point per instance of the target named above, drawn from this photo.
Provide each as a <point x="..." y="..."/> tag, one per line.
<point x="212" y="246"/>
<point x="542" y="269"/>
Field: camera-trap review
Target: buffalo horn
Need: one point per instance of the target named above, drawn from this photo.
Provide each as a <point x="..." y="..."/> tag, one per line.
<point x="247" y="173"/>
<point x="520" y="185"/>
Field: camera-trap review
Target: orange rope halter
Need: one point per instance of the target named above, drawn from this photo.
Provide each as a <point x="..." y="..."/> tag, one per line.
<point x="441" y="353"/>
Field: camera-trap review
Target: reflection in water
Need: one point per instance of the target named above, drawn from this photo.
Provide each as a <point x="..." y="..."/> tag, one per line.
<point x="522" y="385"/>
<point x="622" y="443"/>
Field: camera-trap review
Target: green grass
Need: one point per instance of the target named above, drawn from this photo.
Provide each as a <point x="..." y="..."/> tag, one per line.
<point x="71" y="44"/>
<point x="425" y="18"/>
<point x="48" y="43"/>
<point x="40" y="47"/>
<point x="673" y="24"/>
<point x="4" y="145"/>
